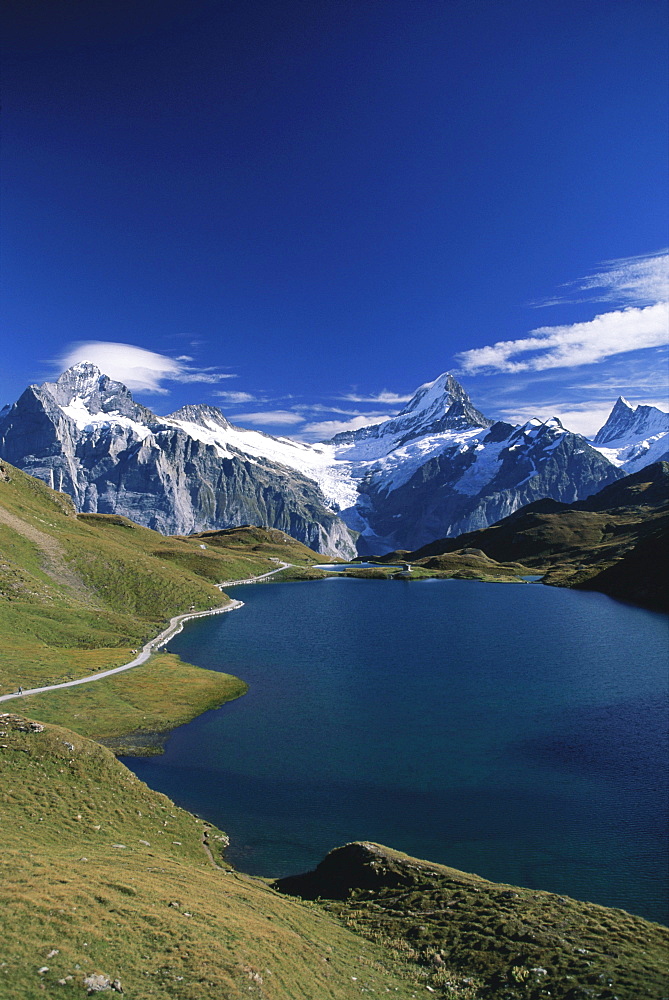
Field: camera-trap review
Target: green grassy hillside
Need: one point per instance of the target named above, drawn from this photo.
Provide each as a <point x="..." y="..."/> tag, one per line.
<point x="107" y="884"/>
<point x="79" y="592"/>
<point x="510" y="942"/>
<point x="102" y="876"/>
<point x="615" y="541"/>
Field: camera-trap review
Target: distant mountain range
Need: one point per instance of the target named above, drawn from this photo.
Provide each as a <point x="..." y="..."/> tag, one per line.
<point x="616" y="541"/>
<point x="438" y="468"/>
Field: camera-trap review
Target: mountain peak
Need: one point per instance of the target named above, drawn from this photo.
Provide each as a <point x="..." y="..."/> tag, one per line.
<point x="88" y="389"/>
<point x="443" y="391"/>
<point x="201" y="414"/>
<point x="631" y="423"/>
<point x="81" y="379"/>
<point x="442" y="402"/>
<point x="437" y="406"/>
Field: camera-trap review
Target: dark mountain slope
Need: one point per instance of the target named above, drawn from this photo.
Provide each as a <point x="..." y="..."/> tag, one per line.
<point x="614" y="541"/>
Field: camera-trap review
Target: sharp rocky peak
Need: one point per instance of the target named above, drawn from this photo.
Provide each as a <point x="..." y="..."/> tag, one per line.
<point x="436" y="406"/>
<point x="442" y="392"/>
<point x="628" y="421"/>
<point x="200" y="414"/>
<point x="442" y="402"/>
<point x="97" y="392"/>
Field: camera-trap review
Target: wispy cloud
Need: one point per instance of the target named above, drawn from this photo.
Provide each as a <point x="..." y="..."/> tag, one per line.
<point x="638" y="281"/>
<point x="325" y="429"/>
<point x="235" y="397"/>
<point x="385" y="397"/>
<point x="608" y="334"/>
<point x="270" y="417"/>
<point x="137" y="367"/>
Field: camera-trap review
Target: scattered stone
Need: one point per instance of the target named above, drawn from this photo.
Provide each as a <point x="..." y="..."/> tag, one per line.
<point x="145" y="842"/>
<point x="119" y="846"/>
<point x="54" y="951"/>
<point x="98" y="982"/>
<point x="45" y="968"/>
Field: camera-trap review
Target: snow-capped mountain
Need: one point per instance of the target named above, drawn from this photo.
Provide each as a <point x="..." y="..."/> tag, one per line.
<point x="634" y="436"/>
<point x="437" y="468"/>
<point x="84" y="434"/>
<point x="420" y="479"/>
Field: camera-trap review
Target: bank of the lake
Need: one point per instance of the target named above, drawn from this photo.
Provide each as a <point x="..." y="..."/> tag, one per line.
<point x="512" y="731"/>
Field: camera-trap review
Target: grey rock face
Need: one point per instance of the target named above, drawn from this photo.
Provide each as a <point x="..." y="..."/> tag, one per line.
<point x="438" y="468"/>
<point x="464" y="488"/>
<point x="634" y="437"/>
<point x="631" y="424"/>
<point x="128" y="461"/>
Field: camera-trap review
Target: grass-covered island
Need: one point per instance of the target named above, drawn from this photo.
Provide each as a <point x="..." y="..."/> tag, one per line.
<point x="107" y="886"/>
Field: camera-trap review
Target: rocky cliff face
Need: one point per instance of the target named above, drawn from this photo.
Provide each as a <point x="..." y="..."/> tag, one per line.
<point x="438" y="468"/>
<point x="634" y="437"/>
<point x="441" y="468"/>
<point x="85" y="435"/>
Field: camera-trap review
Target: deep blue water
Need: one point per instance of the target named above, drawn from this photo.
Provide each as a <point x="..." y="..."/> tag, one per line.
<point x="516" y="731"/>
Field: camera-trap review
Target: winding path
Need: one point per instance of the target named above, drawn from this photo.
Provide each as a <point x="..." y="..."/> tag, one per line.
<point x="175" y="626"/>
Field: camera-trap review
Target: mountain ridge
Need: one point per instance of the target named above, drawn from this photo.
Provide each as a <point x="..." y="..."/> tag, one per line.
<point x="439" y="467"/>
<point x="616" y="541"/>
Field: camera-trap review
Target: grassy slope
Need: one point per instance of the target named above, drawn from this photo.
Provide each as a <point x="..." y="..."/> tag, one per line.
<point x="78" y="592"/>
<point x="615" y="541"/>
<point x="512" y="942"/>
<point x="153" y="912"/>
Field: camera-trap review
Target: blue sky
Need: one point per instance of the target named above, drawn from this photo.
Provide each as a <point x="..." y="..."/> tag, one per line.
<point x="301" y="211"/>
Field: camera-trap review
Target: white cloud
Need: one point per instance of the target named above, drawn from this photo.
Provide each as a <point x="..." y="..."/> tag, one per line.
<point x="285" y="417"/>
<point x="235" y="397"/>
<point x="325" y="429"/>
<point x="136" y="367"/>
<point x="638" y="281"/>
<point x="608" y="334"/>
<point x="385" y="397"/>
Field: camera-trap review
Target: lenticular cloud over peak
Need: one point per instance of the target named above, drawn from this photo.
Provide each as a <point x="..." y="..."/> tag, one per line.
<point x="139" y="369"/>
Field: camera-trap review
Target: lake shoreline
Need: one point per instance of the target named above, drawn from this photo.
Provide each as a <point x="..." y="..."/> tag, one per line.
<point x="263" y="699"/>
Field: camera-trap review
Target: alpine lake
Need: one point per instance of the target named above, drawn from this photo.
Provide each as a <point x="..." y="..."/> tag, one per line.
<point x="513" y="730"/>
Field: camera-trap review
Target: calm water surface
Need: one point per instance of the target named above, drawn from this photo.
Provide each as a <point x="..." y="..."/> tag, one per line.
<point x="517" y="731"/>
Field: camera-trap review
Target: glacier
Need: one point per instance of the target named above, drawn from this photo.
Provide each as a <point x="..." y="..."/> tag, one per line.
<point x="439" y="467"/>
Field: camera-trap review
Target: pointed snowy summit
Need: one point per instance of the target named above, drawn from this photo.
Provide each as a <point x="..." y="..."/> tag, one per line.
<point x="627" y="424"/>
<point x="435" y="407"/>
<point x="634" y="436"/>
